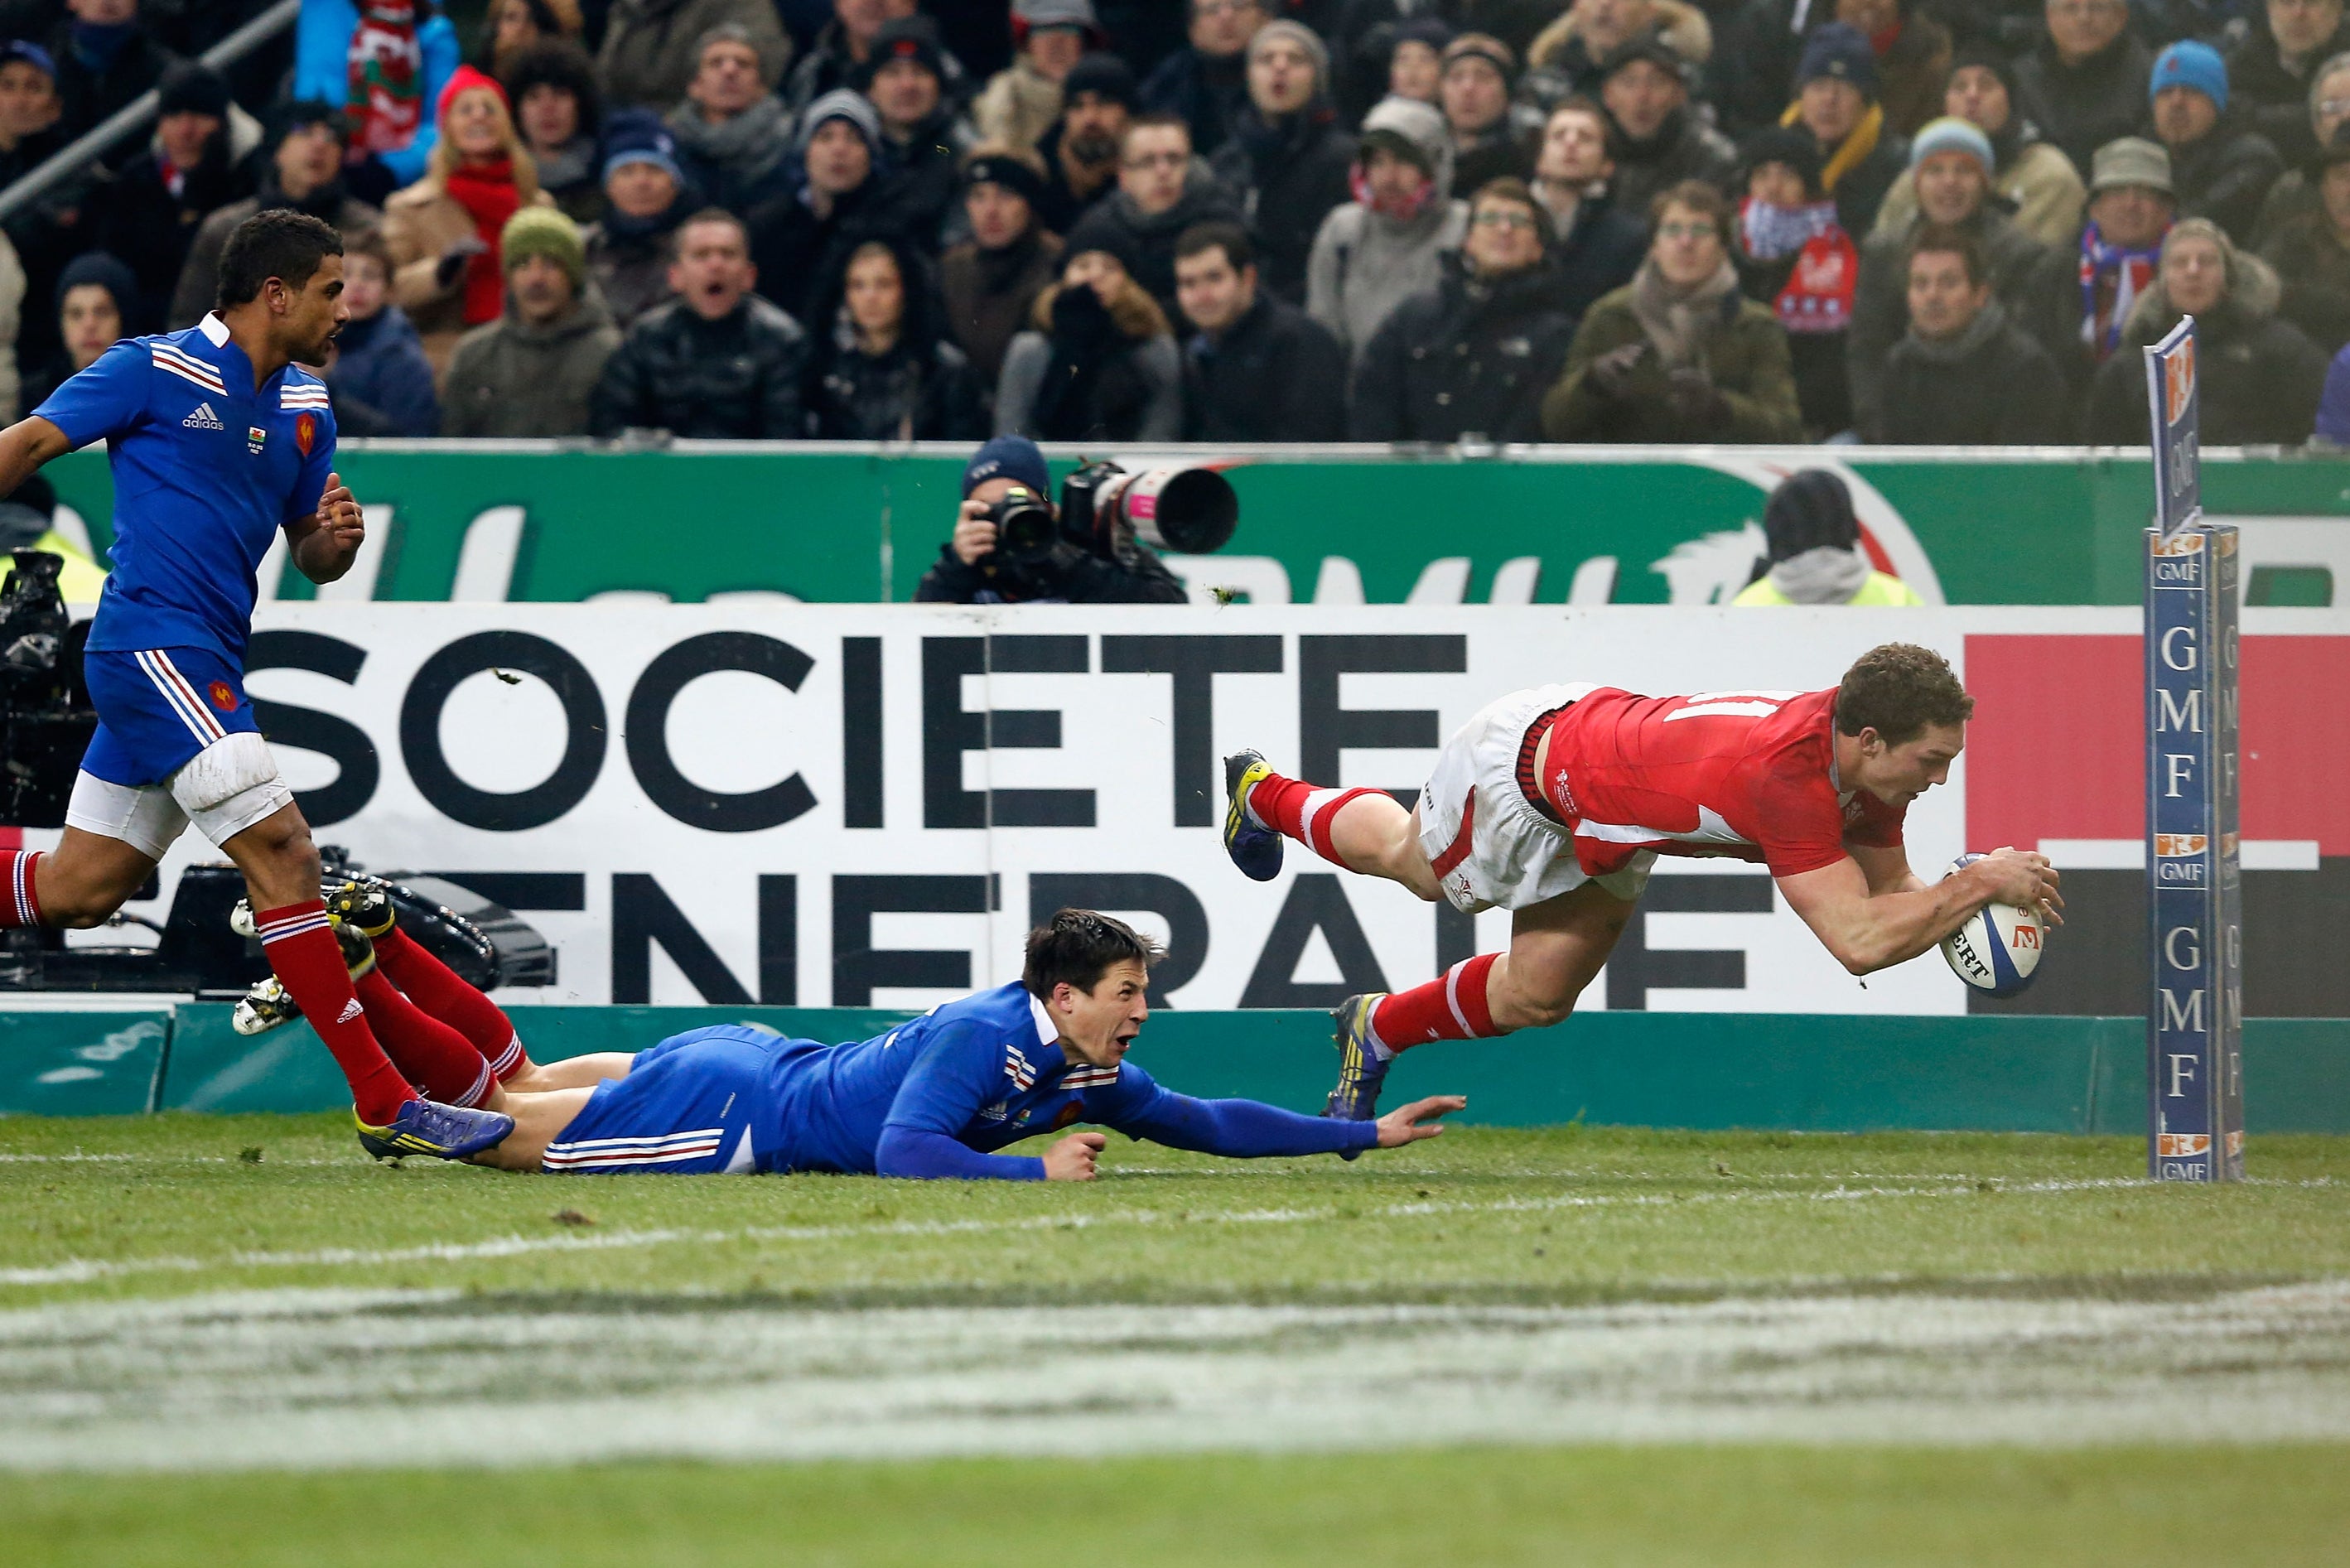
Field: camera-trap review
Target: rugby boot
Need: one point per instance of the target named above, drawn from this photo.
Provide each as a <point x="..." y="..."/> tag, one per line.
<point x="268" y="1004"/>
<point x="1255" y="850"/>
<point x="1361" y="1070"/>
<point x="363" y="904"/>
<point x="428" y="1127"/>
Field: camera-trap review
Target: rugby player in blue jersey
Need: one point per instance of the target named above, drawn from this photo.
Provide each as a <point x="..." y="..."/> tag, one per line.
<point x="218" y="440"/>
<point x="932" y="1099"/>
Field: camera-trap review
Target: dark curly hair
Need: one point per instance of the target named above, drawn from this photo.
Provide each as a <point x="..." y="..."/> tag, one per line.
<point x="558" y="63"/>
<point x="1898" y="689"/>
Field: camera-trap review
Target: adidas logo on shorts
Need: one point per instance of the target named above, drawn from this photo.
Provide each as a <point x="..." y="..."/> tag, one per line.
<point x="203" y="419"/>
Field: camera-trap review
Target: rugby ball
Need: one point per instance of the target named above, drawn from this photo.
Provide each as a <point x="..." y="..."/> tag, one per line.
<point x="1997" y="949"/>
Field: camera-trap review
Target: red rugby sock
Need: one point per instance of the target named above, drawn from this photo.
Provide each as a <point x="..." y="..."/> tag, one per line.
<point x="1300" y="811"/>
<point x="443" y="993"/>
<point x="428" y="1052"/>
<point x="1450" y="1007"/>
<point x="19" y="904"/>
<point x="302" y="949"/>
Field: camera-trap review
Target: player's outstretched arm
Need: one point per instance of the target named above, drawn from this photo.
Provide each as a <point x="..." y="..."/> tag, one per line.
<point x="1868" y="933"/>
<point x="325" y="543"/>
<point x="25" y="446"/>
<point x="1249" y="1129"/>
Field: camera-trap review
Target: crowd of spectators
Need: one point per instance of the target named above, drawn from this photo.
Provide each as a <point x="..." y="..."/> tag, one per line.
<point x="1225" y="221"/>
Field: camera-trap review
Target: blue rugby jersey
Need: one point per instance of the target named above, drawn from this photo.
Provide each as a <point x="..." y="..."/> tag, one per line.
<point x="206" y="470"/>
<point x="934" y="1097"/>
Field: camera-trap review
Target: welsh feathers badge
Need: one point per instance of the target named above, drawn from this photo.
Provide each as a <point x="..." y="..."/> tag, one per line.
<point x="305" y="431"/>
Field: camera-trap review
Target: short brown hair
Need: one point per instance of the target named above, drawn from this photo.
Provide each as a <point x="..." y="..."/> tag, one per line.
<point x="367" y="240"/>
<point x="1700" y="198"/>
<point x="1217" y="235"/>
<point x="1941" y="239"/>
<point x="1511" y="188"/>
<point x="1154" y="122"/>
<point x="1898" y="689"/>
<point x="718" y="215"/>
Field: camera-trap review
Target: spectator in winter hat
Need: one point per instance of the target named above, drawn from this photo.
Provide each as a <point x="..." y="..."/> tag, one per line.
<point x="1256" y="368"/>
<point x="1950" y="167"/>
<point x="2312" y="253"/>
<point x="843" y="52"/>
<point x="923" y="139"/>
<point x="2257" y="376"/>
<point x="530" y="372"/>
<point x="1099" y="362"/>
<point x="305" y="175"/>
<point x="798" y="238"/>
<point x="1860" y="155"/>
<point x="1100" y="95"/>
<point x="1599" y="244"/>
<point x="2292" y="196"/>
<point x="991" y="280"/>
<point x="1289" y="160"/>
<point x="2082" y="298"/>
<point x="2084" y="83"/>
<point x="646" y="196"/>
<point x="1963" y="374"/>
<point x="2270" y="73"/>
<point x="150" y="212"/>
<point x="734" y="136"/>
<point x="96" y="304"/>
<point x="29" y="109"/>
<point x="2031" y="175"/>
<point x="652" y="49"/>
<point x="1205" y="83"/>
<point x="1022" y="101"/>
<point x="1794" y="256"/>
<point x="1569" y="57"/>
<point x="1659" y="140"/>
<point x="560" y="112"/>
<point x="1415" y="67"/>
<point x="2220" y="172"/>
<point x="1386" y="245"/>
<point x="1474" y="94"/>
<point x="1913" y="58"/>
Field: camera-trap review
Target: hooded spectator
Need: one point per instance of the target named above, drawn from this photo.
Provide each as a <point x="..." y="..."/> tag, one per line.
<point x="2258" y="376"/>
<point x="1289" y="160"/>
<point x="1963" y="374"/>
<point x="923" y="139"/>
<point x="1679" y="354"/>
<point x="106" y="57"/>
<point x="150" y="212"/>
<point x="2083" y="294"/>
<point x="646" y="197"/>
<point x="1162" y="189"/>
<point x="1835" y="99"/>
<point x="378" y="374"/>
<point x="717" y="362"/>
<point x="1568" y="58"/>
<point x="734" y="136"/>
<point x="530" y="373"/>
<point x="2221" y="172"/>
<point x="1488" y="133"/>
<point x="96" y="306"/>
<point x="1658" y="140"/>
<point x="1951" y="168"/>
<point x="2292" y="196"/>
<point x="306" y="166"/>
<point x="991" y="280"/>
<point x="1815" y="551"/>
<point x="1386" y="245"/>
<point x="882" y="367"/>
<point x="2083" y="84"/>
<point x="1794" y="257"/>
<point x="1599" y="244"/>
<point x="843" y="52"/>
<point x="442" y="231"/>
<point x="2272" y="71"/>
<point x="1023" y="101"/>
<point x="1080" y="152"/>
<point x="1256" y="368"/>
<point x="1099" y="362"/>
<point x="801" y="238"/>
<point x="2030" y="174"/>
<point x="512" y="28"/>
<point x="2312" y="253"/>
<point x="652" y="49"/>
<point x="1205" y="83"/>
<point x="560" y="113"/>
<point x="1474" y="355"/>
<point x="387" y="68"/>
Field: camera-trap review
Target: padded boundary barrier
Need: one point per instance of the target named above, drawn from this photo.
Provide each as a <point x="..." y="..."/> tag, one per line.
<point x="1797" y="1073"/>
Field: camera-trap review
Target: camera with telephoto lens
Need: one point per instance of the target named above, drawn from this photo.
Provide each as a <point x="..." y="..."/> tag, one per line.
<point x="46" y="717"/>
<point x="1105" y="509"/>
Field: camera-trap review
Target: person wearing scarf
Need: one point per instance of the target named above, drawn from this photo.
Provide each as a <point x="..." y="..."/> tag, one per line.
<point x="1289" y="160"/>
<point x="646" y="196"/>
<point x="1860" y="155"/>
<point x="442" y="231"/>
<point x="991" y="280"/>
<point x="1678" y="354"/>
<point x="1099" y="362"/>
<point x="1792" y="255"/>
<point x="384" y="66"/>
<point x="734" y="136"/>
<point x="106" y="59"/>
<point x="1386" y="245"/>
<point x="2115" y="261"/>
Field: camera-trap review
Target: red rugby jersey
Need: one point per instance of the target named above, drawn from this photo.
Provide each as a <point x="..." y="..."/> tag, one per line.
<point x="1742" y="774"/>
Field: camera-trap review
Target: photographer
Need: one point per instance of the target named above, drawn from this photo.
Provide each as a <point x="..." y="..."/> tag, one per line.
<point x="970" y="569"/>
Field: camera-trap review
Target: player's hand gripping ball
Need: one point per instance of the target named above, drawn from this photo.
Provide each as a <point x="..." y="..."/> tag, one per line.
<point x="1997" y="951"/>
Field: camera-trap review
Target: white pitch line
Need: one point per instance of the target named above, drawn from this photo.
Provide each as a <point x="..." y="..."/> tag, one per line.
<point x="82" y="1271"/>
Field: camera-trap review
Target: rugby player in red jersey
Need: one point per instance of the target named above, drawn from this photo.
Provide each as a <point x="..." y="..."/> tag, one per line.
<point x="1553" y="803"/>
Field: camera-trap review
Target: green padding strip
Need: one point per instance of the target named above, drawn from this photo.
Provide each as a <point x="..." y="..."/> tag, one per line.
<point x="81" y="1063"/>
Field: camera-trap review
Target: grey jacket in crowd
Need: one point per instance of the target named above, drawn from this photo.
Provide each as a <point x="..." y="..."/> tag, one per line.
<point x="1364" y="264"/>
<point x="512" y="378"/>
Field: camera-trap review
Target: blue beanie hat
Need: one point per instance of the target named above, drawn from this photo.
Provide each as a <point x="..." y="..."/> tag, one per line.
<point x="1952" y="134"/>
<point x="1840" y="51"/>
<point x="2191" y="65"/>
<point x="1012" y="457"/>
<point x="637" y="136"/>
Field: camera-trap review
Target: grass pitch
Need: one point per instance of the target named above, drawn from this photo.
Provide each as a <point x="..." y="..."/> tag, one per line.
<point x="1612" y="1346"/>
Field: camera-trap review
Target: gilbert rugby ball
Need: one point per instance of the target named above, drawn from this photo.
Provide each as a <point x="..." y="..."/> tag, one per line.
<point x="1997" y="949"/>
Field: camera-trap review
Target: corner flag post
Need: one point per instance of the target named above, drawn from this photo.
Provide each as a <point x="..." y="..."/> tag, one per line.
<point x="2195" y="1092"/>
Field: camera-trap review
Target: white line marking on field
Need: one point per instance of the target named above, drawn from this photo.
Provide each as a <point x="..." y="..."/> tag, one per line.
<point x="60" y="1158"/>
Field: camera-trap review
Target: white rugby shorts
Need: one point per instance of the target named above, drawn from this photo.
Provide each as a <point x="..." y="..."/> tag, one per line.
<point x="1489" y="846"/>
<point x="225" y="789"/>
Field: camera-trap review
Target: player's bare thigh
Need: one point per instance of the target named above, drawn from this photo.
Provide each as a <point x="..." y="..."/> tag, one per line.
<point x="539" y="1120"/>
<point x="1556" y="947"/>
